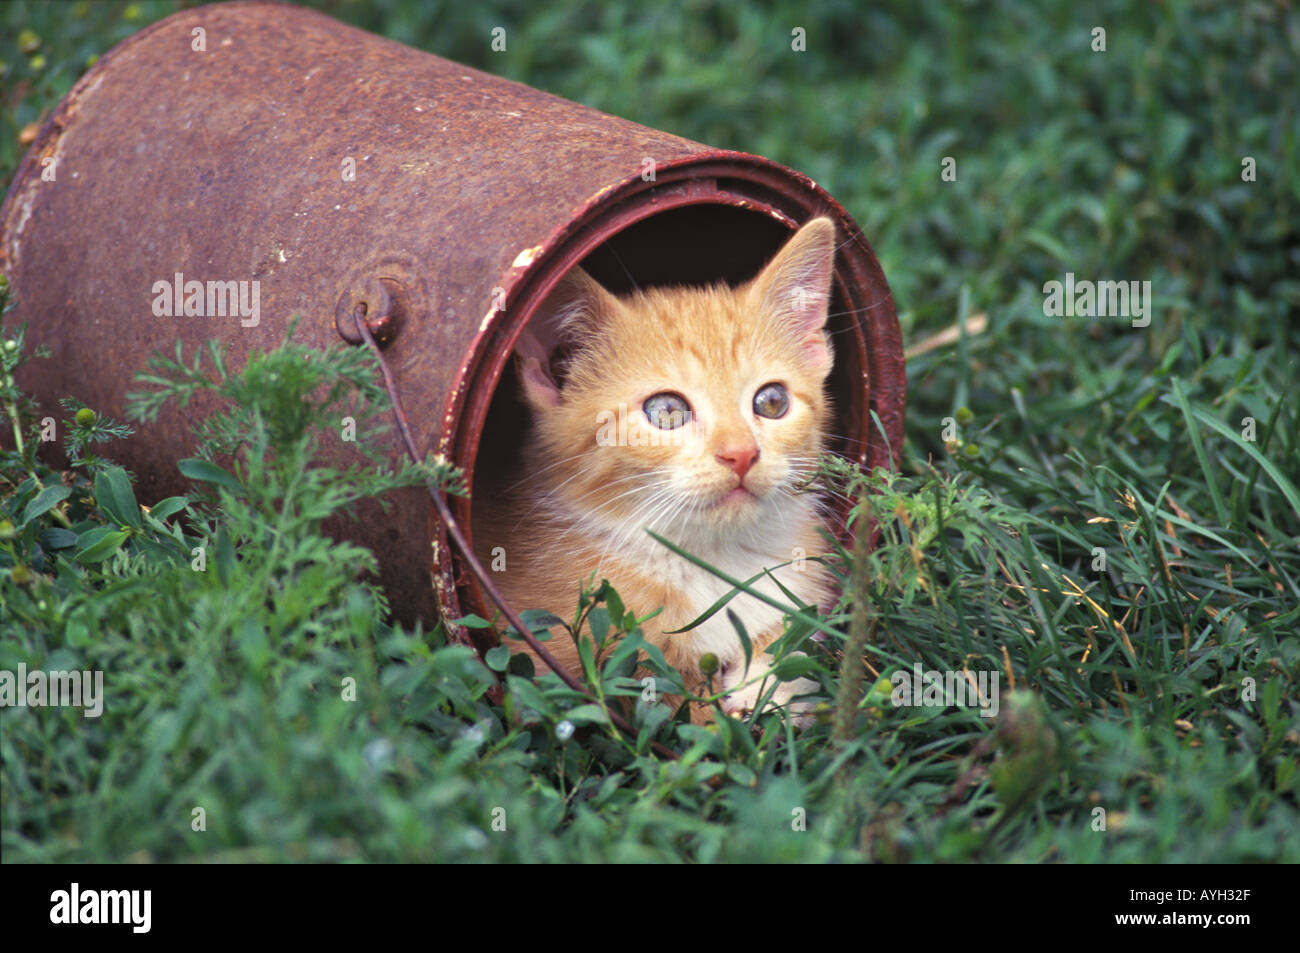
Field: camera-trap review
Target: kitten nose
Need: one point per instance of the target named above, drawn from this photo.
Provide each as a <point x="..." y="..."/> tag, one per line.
<point x="738" y="459"/>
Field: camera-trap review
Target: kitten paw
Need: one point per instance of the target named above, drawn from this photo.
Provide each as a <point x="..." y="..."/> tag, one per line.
<point x="740" y="704"/>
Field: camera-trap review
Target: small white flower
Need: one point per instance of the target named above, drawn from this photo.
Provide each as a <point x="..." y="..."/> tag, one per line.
<point x="378" y="752"/>
<point x="564" y="731"/>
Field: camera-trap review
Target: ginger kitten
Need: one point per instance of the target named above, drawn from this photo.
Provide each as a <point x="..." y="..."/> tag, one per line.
<point x="695" y="412"/>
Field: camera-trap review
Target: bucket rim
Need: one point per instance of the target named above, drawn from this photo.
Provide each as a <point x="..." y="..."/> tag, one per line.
<point x="710" y="177"/>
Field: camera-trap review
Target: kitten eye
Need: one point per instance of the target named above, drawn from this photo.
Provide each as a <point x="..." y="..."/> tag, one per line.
<point x="772" y="400"/>
<point x="667" y="411"/>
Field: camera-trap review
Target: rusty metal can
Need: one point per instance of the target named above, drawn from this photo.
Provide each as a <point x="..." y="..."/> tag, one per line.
<point x="270" y="144"/>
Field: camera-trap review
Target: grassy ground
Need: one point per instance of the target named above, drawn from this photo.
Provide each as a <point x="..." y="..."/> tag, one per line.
<point x="1109" y="521"/>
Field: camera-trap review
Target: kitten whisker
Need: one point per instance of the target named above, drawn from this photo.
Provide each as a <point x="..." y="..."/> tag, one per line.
<point x="534" y="474"/>
<point x="661" y="492"/>
<point x="883" y="302"/>
<point x="618" y="258"/>
<point x="549" y="496"/>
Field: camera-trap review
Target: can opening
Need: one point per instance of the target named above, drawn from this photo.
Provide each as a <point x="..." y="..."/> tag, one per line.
<point x="689" y="245"/>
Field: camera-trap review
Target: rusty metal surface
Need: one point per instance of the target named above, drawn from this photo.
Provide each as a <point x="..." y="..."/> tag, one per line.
<point x="472" y="196"/>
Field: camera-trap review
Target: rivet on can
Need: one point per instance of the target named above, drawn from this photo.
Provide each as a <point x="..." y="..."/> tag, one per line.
<point x="379" y="303"/>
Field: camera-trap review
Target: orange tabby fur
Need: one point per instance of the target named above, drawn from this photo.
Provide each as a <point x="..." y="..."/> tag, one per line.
<point x="583" y="504"/>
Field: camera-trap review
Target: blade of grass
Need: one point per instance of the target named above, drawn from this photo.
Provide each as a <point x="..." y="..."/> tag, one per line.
<point x="1220" y="508"/>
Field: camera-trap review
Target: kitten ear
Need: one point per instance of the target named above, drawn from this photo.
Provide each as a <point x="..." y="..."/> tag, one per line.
<point x="794" y="290"/>
<point x="569" y="312"/>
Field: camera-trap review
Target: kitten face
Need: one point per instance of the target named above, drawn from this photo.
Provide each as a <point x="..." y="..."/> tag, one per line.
<point x="691" y="411"/>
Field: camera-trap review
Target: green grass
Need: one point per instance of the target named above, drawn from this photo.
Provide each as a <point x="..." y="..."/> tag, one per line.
<point x="1102" y="526"/>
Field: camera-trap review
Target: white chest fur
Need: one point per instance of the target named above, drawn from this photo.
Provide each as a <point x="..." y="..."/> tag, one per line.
<point x="746" y="562"/>
<point x="762" y="621"/>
